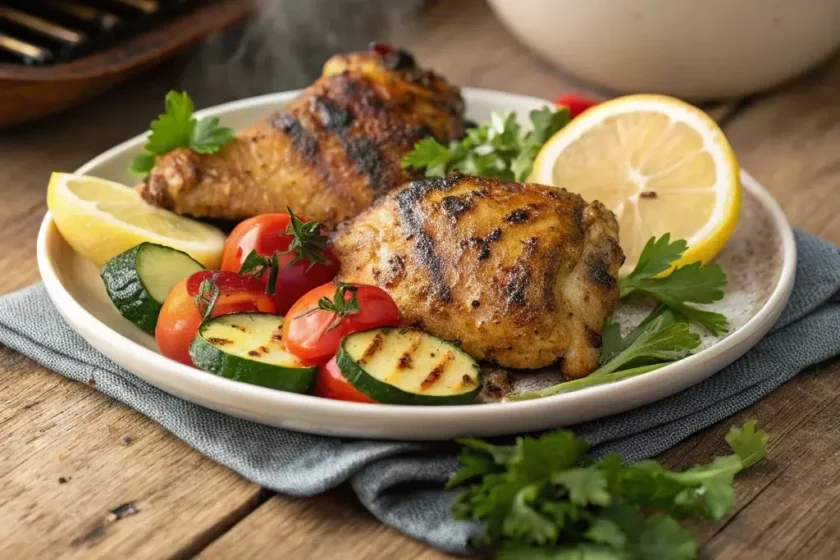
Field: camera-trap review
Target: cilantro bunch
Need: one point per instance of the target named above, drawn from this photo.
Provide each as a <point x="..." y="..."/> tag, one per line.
<point x="177" y="128"/>
<point x="545" y="498"/>
<point x="664" y="336"/>
<point x="496" y="149"/>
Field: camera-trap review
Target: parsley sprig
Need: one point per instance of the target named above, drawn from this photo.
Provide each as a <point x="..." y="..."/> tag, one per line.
<point x="497" y="149"/>
<point x="307" y="244"/>
<point x="546" y="498"/>
<point x="337" y="305"/>
<point x="177" y="128"/>
<point x="664" y="336"/>
<point x="692" y="283"/>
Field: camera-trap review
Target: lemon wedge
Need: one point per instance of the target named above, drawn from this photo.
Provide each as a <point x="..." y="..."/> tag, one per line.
<point x="661" y="165"/>
<point x="100" y="219"/>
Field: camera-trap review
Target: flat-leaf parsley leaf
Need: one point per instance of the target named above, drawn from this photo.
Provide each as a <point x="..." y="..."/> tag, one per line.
<point x="496" y="149"/>
<point x="177" y="128"/>
<point x="692" y="283"/>
<point x="547" y="498"/>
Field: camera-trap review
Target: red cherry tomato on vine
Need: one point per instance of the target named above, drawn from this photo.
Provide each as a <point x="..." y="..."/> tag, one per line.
<point x="312" y="333"/>
<point x="188" y="302"/>
<point x="576" y="103"/>
<point x="304" y="259"/>
<point x="331" y="384"/>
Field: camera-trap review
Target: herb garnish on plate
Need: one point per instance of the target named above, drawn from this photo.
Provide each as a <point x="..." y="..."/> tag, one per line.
<point x="177" y="128"/>
<point x="663" y="337"/>
<point x="498" y="149"/>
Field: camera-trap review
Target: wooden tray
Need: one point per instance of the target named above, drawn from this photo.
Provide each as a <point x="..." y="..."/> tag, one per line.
<point x="30" y="92"/>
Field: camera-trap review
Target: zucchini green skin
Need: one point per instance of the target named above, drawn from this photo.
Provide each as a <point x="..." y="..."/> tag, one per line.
<point x="215" y="360"/>
<point x="388" y="394"/>
<point x="127" y="291"/>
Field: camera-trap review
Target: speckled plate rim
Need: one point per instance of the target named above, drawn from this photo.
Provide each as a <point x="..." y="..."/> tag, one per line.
<point x="323" y="416"/>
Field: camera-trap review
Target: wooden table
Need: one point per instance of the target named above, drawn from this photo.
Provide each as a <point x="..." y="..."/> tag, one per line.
<point x="82" y="476"/>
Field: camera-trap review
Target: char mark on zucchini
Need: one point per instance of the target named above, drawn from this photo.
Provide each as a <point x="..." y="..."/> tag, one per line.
<point x="437" y="371"/>
<point x="370" y="351"/>
<point x="428" y="381"/>
<point x="250" y="355"/>
<point x="218" y="341"/>
<point x="406" y="360"/>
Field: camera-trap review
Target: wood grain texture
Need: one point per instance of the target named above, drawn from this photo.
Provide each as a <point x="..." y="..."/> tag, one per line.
<point x="82" y="476"/>
<point x="332" y="525"/>
<point x="171" y="502"/>
<point x="790" y="140"/>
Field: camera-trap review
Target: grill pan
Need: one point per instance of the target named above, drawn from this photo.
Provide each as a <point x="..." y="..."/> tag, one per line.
<point x="55" y="53"/>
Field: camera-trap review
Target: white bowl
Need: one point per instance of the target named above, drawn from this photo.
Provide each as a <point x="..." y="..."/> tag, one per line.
<point x="697" y="50"/>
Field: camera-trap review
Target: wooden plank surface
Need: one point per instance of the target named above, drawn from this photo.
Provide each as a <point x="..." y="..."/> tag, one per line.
<point x="171" y="502"/>
<point x="82" y="476"/>
<point x="790" y="141"/>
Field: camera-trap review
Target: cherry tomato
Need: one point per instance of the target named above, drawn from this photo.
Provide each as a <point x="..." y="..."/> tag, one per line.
<point x="331" y="384"/>
<point x="309" y="264"/>
<point x="180" y="315"/>
<point x="312" y="333"/>
<point x="576" y="103"/>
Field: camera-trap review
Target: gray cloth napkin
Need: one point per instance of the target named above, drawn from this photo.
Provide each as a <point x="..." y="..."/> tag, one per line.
<point x="401" y="483"/>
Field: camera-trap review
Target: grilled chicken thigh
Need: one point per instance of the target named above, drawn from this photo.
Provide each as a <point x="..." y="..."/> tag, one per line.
<point x="332" y="150"/>
<point x="519" y="274"/>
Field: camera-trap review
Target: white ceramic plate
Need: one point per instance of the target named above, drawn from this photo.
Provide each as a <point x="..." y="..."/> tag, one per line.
<point x="760" y="260"/>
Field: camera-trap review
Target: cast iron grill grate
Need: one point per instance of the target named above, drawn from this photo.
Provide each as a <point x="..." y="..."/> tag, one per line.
<point x="44" y="32"/>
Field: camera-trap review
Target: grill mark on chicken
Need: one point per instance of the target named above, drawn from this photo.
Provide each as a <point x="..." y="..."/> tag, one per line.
<point x="333" y="117"/>
<point x="455" y="206"/>
<point x="517" y="216"/>
<point x="368" y="159"/>
<point x="520" y="278"/>
<point x="517" y="285"/>
<point x="593" y="338"/>
<point x="395" y="271"/>
<point x="408" y="201"/>
<point x="600" y="276"/>
<point x="302" y="141"/>
<point x="363" y="152"/>
<point x="483" y="243"/>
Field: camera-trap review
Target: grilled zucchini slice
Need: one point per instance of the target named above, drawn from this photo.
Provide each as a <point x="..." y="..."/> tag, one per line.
<point x="249" y="347"/>
<point x="406" y="366"/>
<point x="138" y="280"/>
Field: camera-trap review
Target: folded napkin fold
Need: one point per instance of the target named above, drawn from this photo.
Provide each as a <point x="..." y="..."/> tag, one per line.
<point x="400" y="482"/>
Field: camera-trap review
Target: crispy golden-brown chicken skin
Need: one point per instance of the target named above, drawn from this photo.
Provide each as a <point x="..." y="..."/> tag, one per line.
<point x="522" y="275"/>
<point x="332" y="150"/>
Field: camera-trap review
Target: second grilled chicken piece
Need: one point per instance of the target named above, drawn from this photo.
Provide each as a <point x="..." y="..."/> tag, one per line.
<point x="332" y="150"/>
<point x="519" y="274"/>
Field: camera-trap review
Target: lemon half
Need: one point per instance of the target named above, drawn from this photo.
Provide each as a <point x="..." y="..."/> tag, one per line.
<point x="100" y="219"/>
<point x="660" y="164"/>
